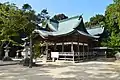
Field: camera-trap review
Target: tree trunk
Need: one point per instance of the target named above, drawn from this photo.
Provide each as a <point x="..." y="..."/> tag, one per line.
<point x="31" y="53"/>
<point x="1" y="53"/>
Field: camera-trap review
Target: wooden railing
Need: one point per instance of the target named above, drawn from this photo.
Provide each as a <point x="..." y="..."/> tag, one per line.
<point x="76" y="53"/>
<point x="66" y="53"/>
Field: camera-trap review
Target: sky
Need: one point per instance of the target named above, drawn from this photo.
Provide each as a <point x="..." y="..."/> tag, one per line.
<point x="69" y="7"/>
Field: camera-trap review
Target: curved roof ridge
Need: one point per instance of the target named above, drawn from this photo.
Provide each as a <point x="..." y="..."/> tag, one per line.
<point x="94" y="27"/>
<point x="96" y="31"/>
<point x="69" y="18"/>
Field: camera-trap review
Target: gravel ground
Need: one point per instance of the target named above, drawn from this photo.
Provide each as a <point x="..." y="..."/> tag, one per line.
<point x="93" y="70"/>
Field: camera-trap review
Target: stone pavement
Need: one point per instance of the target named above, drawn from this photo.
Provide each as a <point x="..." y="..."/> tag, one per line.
<point x="62" y="71"/>
<point x="3" y="63"/>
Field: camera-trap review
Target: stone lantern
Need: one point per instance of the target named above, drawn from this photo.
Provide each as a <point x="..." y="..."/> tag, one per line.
<point x="17" y="54"/>
<point x="6" y="57"/>
<point x="26" y="52"/>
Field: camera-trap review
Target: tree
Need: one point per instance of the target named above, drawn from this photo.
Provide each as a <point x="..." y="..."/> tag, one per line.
<point x="95" y="20"/>
<point x="60" y="17"/>
<point x="116" y="1"/>
<point x="31" y="17"/>
<point x="112" y="15"/>
<point x="14" y="22"/>
<point x="87" y="24"/>
<point x="26" y="7"/>
<point x="42" y="18"/>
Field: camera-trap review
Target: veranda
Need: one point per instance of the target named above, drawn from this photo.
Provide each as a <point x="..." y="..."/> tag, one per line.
<point x="69" y="48"/>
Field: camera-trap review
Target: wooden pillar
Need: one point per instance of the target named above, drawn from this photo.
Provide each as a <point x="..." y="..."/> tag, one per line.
<point x="83" y="51"/>
<point x="62" y="46"/>
<point x="72" y="51"/>
<point x="55" y="47"/>
<point x="78" y="50"/>
<point x="63" y="50"/>
<point x="88" y="48"/>
<point x="87" y="51"/>
<point x="78" y="47"/>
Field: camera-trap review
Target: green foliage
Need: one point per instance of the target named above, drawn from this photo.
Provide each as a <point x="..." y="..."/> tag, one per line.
<point x="112" y="22"/>
<point x="95" y="20"/>
<point x="36" y="49"/>
<point x="26" y="7"/>
<point x="14" y="21"/>
<point x="43" y="17"/>
<point x="116" y="1"/>
<point x="60" y="17"/>
<point x="114" y="40"/>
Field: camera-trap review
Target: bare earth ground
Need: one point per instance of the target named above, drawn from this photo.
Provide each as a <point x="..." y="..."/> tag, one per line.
<point x="92" y="70"/>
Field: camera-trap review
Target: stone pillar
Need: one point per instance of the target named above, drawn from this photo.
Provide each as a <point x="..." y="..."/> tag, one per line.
<point x="6" y="57"/>
<point x="17" y="54"/>
<point x="6" y="53"/>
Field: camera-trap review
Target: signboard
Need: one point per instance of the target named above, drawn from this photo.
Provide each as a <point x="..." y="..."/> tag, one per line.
<point x="54" y="54"/>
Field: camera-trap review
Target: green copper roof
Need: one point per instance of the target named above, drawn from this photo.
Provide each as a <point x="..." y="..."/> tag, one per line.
<point x="67" y="26"/>
<point x="96" y="30"/>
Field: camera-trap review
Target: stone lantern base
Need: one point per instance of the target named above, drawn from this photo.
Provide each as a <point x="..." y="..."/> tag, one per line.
<point x="117" y="56"/>
<point x="26" y="62"/>
<point x="7" y="58"/>
<point x="1" y="57"/>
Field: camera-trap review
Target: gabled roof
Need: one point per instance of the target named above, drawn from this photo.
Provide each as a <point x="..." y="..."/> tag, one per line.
<point x="65" y="27"/>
